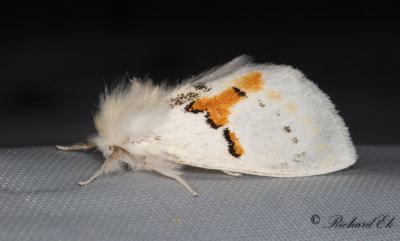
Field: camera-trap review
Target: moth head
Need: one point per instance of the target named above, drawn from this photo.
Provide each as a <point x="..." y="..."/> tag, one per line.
<point x="117" y="149"/>
<point x="121" y="152"/>
<point x="129" y="113"/>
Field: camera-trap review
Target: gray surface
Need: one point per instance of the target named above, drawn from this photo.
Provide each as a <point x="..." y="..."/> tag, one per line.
<point x="39" y="200"/>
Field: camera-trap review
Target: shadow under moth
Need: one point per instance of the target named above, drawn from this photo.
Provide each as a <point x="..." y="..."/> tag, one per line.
<point x="241" y="117"/>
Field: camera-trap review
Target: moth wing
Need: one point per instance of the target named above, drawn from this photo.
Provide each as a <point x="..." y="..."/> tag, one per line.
<point x="220" y="71"/>
<point x="260" y="119"/>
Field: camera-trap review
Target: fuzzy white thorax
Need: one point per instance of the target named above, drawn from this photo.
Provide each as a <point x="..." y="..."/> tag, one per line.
<point x="126" y="118"/>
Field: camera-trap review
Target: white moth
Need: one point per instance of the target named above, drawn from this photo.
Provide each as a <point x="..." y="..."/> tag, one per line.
<point x="259" y="119"/>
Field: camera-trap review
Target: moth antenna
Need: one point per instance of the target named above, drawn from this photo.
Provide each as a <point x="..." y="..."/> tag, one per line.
<point x="77" y="147"/>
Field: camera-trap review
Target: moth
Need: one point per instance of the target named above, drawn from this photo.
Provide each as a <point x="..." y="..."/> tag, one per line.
<point x="240" y="118"/>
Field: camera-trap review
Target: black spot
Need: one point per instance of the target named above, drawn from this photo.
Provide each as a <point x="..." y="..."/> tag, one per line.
<point x="201" y="86"/>
<point x="195" y="111"/>
<point x="299" y="156"/>
<point x="240" y="93"/>
<point x="295" y="140"/>
<point x="182" y="98"/>
<point x="231" y="144"/>
<point x="187" y="108"/>
<point x="287" y="129"/>
<point x="211" y="122"/>
<point x="261" y="104"/>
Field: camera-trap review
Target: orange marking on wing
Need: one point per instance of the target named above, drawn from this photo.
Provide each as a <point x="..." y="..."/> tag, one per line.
<point x="308" y="120"/>
<point x="272" y="94"/>
<point x="236" y="146"/>
<point x="218" y="106"/>
<point x="316" y="130"/>
<point x="251" y="82"/>
<point x="291" y="108"/>
<point x="321" y="146"/>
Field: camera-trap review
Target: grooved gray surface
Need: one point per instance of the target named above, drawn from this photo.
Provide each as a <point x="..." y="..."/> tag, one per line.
<point x="40" y="200"/>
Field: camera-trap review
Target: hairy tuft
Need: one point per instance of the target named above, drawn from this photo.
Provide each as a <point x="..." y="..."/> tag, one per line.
<point x="130" y="109"/>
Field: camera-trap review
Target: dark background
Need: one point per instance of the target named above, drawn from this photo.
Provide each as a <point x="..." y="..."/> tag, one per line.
<point x="56" y="58"/>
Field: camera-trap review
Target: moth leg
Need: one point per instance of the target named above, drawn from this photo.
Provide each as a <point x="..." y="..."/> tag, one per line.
<point x="77" y="147"/>
<point x="101" y="170"/>
<point x="234" y="174"/>
<point x="173" y="175"/>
